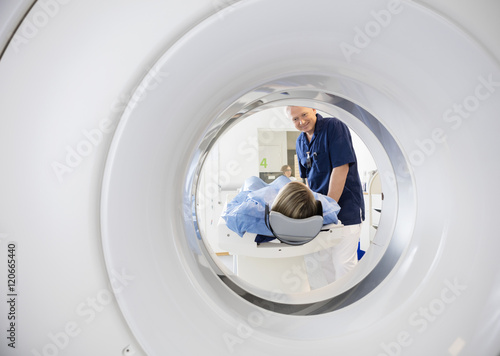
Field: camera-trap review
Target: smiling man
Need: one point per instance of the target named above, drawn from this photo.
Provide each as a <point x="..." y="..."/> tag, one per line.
<point x="327" y="160"/>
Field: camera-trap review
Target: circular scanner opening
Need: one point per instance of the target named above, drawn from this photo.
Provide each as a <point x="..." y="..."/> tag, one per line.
<point x="393" y="89"/>
<point x="248" y="140"/>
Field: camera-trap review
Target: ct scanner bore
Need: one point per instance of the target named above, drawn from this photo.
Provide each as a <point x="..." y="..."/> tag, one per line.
<point x="134" y="187"/>
<point x="398" y="202"/>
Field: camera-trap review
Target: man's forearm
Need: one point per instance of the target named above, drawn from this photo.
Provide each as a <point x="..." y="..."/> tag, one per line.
<point x="337" y="181"/>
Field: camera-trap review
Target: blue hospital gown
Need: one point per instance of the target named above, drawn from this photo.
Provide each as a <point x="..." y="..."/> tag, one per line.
<point x="245" y="213"/>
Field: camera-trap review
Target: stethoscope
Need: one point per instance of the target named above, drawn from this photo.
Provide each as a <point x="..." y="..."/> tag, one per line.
<point x="309" y="159"/>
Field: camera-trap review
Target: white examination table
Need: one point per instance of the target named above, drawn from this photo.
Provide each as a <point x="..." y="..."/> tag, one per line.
<point x="276" y="266"/>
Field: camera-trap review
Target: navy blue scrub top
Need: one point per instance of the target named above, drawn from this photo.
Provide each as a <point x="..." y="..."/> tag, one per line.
<point x="330" y="147"/>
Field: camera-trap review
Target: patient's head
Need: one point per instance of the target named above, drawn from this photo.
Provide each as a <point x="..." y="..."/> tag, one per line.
<point x="296" y="201"/>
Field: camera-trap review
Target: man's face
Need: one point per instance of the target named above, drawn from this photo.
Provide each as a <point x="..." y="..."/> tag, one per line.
<point x="303" y="118"/>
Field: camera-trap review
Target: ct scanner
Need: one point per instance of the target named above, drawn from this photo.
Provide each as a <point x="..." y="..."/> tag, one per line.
<point x="108" y="109"/>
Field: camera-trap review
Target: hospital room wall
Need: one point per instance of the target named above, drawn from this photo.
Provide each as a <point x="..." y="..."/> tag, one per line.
<point x="239" y="148"/>
<point x="366" y="169"/>
<point x="234" y="158"/>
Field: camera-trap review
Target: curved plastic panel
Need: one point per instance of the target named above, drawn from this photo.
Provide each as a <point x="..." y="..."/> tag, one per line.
<point x="11" y="14"/>
<point x="393" y="78"/>
<point x="413" y="83"/>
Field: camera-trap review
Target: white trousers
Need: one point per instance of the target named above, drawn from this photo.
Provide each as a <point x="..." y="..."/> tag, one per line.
<point x="327" y="266"/>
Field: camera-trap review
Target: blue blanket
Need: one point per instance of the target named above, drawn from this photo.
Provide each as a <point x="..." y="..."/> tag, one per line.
<point x="245" y="213"/>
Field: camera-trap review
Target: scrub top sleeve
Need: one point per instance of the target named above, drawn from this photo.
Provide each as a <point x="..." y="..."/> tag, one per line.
<point x="340" y="144"/>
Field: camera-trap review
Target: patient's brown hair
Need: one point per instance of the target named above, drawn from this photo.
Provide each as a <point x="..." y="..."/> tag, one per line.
<point x="296" y="201"/>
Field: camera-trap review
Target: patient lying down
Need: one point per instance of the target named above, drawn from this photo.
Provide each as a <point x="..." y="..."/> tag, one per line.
<point x="246" y="212"/>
